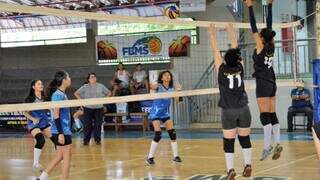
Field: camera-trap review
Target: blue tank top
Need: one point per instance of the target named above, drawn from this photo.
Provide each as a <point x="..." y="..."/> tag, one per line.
<point x="163" y="102"/>
<point x="65" y="118"/>
<point x="42" y="115"/>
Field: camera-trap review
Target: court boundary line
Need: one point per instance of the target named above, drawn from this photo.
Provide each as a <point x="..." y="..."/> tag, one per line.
<point x="91" y="169"/>
<point x="285" y="164"/>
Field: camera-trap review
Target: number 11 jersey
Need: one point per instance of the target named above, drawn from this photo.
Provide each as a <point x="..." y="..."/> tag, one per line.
<point x="231" y="87"/>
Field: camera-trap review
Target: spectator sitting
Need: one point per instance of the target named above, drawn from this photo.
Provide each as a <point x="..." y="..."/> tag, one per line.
<point x="140" y="83"/>
<point x="300" y="104"/>
<point x="120" y="81"/>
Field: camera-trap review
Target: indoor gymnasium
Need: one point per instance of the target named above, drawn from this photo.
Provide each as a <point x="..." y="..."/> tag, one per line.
<point x="159" y="89"/>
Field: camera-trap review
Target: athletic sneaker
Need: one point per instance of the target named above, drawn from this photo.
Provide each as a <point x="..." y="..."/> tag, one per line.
<point x="231" y="175"/>
<point x="177" y="159"/>
<point x="266" y="153"/>
<point x="150" y="161"/>
<point x="247" y="171"/>
<point x="37" y="167"/>
<point x="277" y="152"/>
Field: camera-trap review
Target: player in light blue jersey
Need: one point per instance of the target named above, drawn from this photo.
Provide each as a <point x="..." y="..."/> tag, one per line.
<point x="160" y="113"/>
<point x="61" y="126"/>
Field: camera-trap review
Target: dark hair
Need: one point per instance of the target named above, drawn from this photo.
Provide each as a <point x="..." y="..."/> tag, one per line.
<point x="31" y="96"/>
<point x="139" y="64"/>
<point x="59" y="76"/>
<point x="268" y="35"/>
<point x="89" y="74"/>
<point x="232" y="57"/>
<point x="161" y="75"/>
<point x="119" y="64"/>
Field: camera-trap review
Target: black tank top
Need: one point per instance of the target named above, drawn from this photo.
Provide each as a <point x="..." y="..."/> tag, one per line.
<point x="263" y="64"/>
<point x="231" y="87"/>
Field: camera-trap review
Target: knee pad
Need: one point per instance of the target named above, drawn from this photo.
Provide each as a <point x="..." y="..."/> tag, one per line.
<point x="157" y="136"/>
<point x="274" y="118"/>
<point x="265" y="119"/>
<point x="39" y="141"/>
<point x="172" y="134"/>
<point x="228" y="145"/>
<point x="245" y="141"/>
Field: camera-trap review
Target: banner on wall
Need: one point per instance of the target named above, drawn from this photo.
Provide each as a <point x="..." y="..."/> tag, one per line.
<point x="13" y="119"/>
<point x="166" y="44"/>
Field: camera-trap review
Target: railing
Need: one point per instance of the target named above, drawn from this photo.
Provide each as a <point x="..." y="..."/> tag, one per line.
<point x="204" y="109"/>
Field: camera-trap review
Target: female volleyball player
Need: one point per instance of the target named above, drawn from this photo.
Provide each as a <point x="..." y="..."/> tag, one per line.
<point x="235" y="114"/>
<point x="266" y="82"/>
<point x="61" y="126"/>
<point x="38" y="121"/>
<point x="160" y="113"/>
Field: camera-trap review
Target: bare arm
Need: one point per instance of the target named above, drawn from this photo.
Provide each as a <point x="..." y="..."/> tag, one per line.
<point x="33" y="119"/>
<point x="232" y="36"/>
<point x="77" y="94"/>
<point x="213" y="41"/>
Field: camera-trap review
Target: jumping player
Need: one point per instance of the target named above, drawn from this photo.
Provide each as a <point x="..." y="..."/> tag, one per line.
<point x="266" y="82"/>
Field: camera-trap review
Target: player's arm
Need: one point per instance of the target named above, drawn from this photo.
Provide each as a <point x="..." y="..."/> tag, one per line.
<point x="154" y="86"/>
<point x="254" y="28"/>
<point x="216" y="50"/>
<point x="28" y="116"/>
<point x="233" y="38"/>
<point x="269" y="16"/>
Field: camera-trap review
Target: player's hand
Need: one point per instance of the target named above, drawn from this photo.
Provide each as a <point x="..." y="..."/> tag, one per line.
<point x="61" y="139"/>
<point x="248" y="2"/>
<point x="35" y="120"/>
<point x="178" y="87"/>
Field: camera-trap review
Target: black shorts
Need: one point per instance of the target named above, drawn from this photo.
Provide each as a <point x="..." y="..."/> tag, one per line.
<point x="236" y="118"/>
<point x="42" y="128"/>
<point x="316" y="128"/>
<point x="163" y="120"/>
<point x="67" y="140"/>
<point x="265" y="88"/>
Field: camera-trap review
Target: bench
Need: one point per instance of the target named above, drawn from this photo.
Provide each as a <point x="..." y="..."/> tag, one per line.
<point x="118" y="121"/>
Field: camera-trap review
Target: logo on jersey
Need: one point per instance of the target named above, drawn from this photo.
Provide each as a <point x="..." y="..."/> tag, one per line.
<point x="268" y="59"/>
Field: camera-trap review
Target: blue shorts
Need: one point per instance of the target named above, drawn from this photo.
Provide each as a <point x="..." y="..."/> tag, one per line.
<point x="43" y="124"/>
<point x="159" y="113"/>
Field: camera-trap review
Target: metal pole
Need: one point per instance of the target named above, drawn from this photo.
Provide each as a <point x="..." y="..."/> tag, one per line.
<point x="294" y="54"/>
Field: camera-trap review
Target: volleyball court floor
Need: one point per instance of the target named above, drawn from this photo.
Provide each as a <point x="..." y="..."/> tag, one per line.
<point x="123" y="156"/>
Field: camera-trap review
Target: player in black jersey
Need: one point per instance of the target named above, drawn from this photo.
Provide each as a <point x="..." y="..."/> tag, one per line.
<point x="235" y="113"/>
<point x="266" y="81"/>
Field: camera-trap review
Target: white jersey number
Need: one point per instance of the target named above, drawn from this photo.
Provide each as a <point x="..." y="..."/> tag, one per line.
<point x="268" y="61"/>
<point x="231" y="80"/>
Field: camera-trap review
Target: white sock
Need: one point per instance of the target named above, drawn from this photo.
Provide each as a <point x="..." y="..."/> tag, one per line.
<point x="267" y="130"/>
<point x="276" y="133"/>
<point x="174" y="146"/>
<point x="229" y="160"/>
<point x="36" y="155"/>
<point x="247" y="155"/>
<point x="43" y="176"/>
<point x="153" y="149"/>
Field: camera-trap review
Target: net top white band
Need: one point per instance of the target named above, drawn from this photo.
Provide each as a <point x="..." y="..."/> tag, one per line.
<point x="132" y="19"/>
<point x="119" y="99"/>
